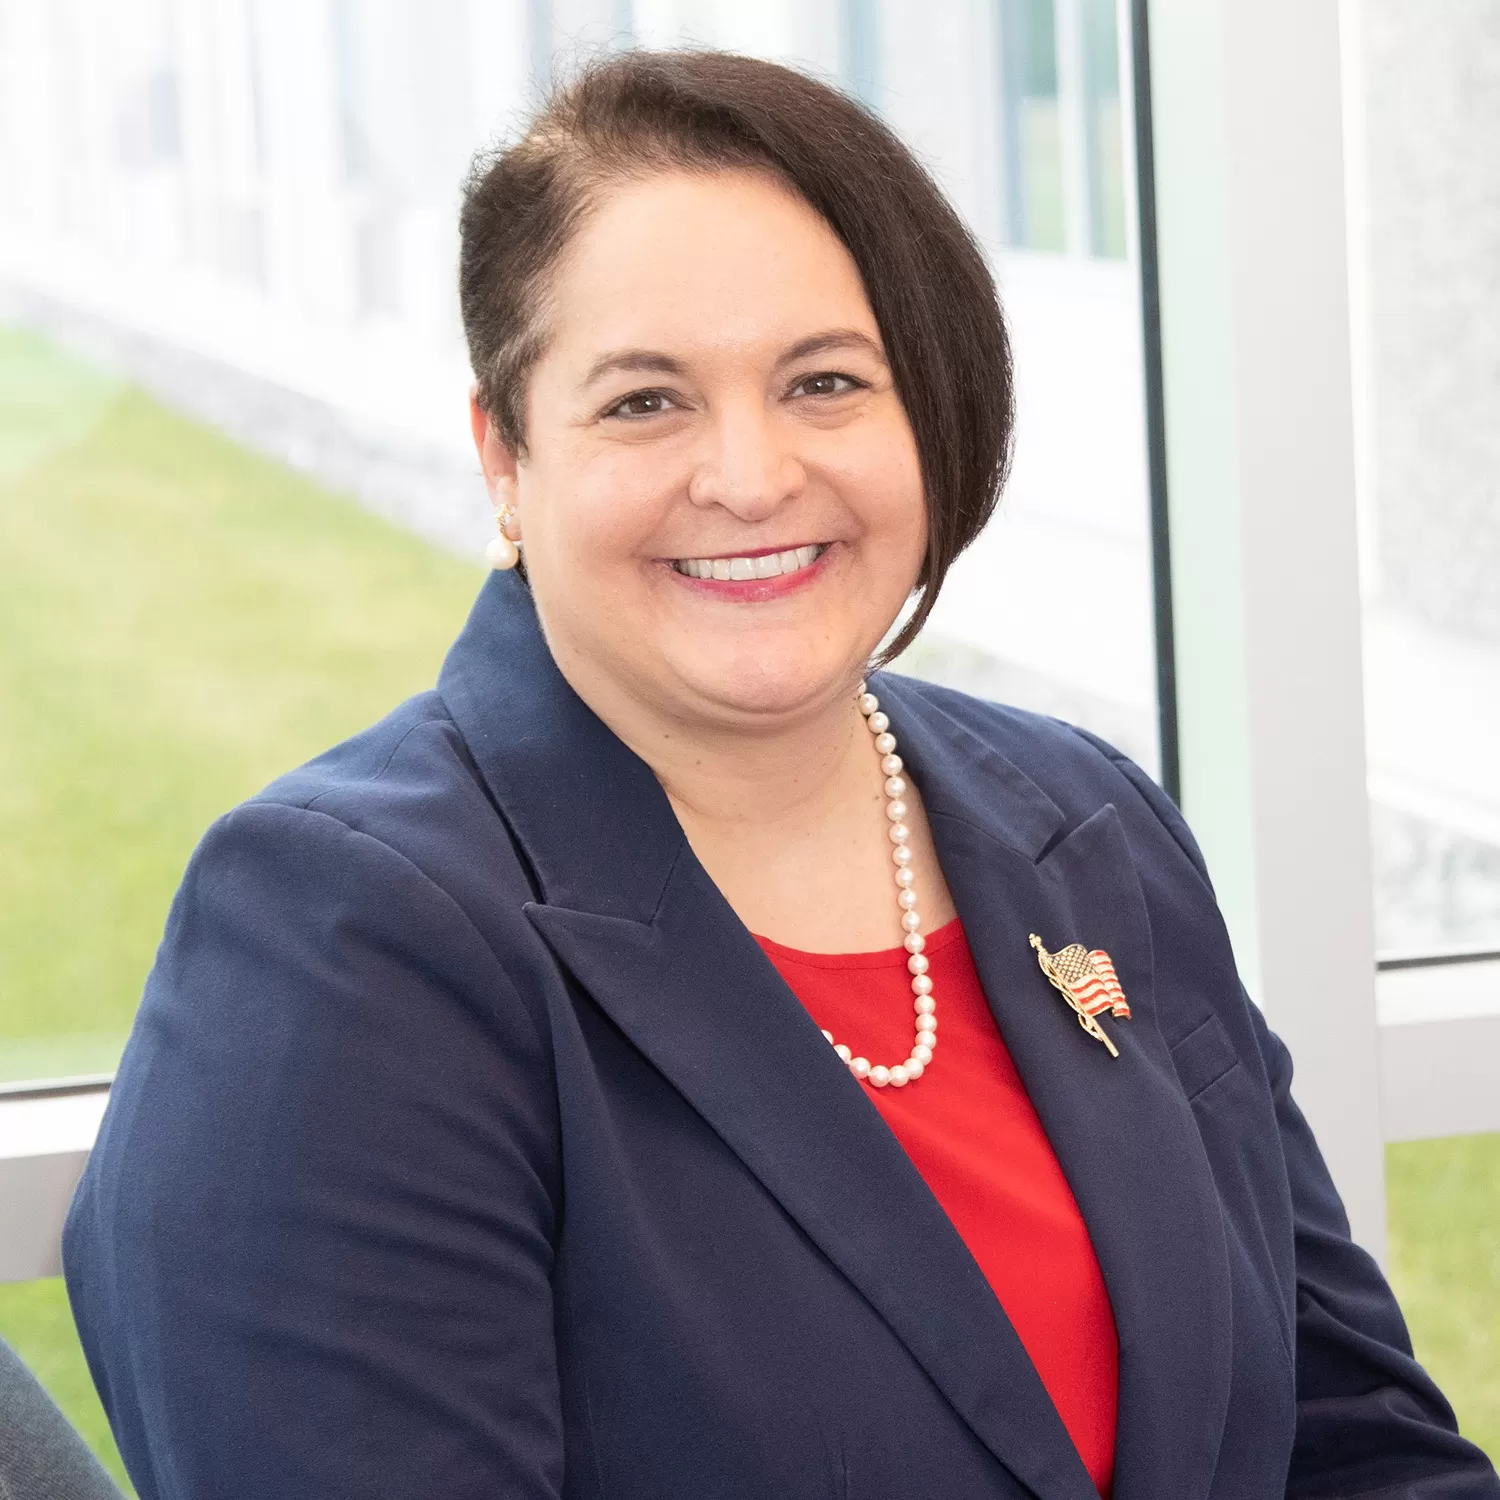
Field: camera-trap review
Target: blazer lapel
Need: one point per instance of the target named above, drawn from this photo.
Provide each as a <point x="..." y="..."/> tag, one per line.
<point x="694" y="992"/>
<point x="1122" y="1131"/>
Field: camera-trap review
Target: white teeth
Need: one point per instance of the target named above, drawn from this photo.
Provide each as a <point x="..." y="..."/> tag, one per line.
<point x="741" y="569"/>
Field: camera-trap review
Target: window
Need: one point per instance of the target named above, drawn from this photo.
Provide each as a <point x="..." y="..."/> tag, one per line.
<point x="1425" y="247"/>
<point x="279" y="262"/>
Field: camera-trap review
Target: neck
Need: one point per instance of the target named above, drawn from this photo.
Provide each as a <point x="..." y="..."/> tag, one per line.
<point x="758" y="782"/>
<point x="789" y="820"/>
<point x="791" y="828"/>
<point x="786" y="813"/>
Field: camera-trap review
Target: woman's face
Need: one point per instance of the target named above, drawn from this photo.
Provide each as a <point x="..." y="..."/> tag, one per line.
<point x="720" y="503"/>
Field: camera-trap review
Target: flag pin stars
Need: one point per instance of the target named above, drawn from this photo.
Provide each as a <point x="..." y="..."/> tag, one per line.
<point x="1086" y="980"/>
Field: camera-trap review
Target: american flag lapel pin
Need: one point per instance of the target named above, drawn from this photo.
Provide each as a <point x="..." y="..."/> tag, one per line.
<point x="1086" y="979"/>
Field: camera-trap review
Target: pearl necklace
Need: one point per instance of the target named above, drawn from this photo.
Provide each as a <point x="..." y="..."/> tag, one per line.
<point x="899" y="1075"/>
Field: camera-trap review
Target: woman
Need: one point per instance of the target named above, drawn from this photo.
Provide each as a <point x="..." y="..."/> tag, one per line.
<point x="541" y="1093"/>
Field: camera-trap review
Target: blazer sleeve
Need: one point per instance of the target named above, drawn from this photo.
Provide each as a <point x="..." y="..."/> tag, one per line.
<point x="311" y="1253"/>
<point x="1370" y="1421"/>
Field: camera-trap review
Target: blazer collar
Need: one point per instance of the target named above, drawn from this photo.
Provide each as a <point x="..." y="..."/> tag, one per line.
<point x="558" y="771"/>
<point x="631" y="914"/>
<point x="587" y="812"/>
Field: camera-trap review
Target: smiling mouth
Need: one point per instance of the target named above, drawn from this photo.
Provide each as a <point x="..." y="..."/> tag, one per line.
<point x="746" y="569"/>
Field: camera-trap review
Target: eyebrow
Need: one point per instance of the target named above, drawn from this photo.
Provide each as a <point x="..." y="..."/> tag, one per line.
<point x="653" y="361"/>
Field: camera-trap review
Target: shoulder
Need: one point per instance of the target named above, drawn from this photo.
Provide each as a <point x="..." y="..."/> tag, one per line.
<point x="406" y="780"/>
<point x="408" y="787"/>
<point x="345" y="948"/>
<point x="385" y="851"/>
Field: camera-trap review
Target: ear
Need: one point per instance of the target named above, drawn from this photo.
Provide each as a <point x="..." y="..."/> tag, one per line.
<point x="495" y="459"/>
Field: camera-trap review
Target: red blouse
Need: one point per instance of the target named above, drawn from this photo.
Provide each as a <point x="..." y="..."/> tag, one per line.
<point x="971" y="1131"/>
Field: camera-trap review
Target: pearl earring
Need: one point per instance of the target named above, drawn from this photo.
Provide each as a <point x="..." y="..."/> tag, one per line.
<point x="502" y="552"/>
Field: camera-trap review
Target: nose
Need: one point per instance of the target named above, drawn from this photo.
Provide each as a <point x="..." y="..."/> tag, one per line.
<point x="748" y="465"/>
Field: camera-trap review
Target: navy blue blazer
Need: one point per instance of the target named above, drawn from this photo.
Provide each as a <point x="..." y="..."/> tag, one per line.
<point x="467" y="1145"/>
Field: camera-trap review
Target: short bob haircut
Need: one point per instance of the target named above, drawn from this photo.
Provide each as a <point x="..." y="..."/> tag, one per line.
<point x="638" y="113"/>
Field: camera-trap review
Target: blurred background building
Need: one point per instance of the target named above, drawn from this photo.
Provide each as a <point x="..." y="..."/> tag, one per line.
<point x="253" y="203"/>
<point x="250" y="204"/>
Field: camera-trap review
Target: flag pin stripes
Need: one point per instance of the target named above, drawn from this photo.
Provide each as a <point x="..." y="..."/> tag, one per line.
<point x="1086" y="979"/>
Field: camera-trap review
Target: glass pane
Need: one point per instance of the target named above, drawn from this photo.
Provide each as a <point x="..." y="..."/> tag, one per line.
<point x="1424" y="178"/>
<point x="1105" y="127"/>
<point x="239" y="515"/>
<point x="1052" y="608"/>
<point x="1032" y="136"/>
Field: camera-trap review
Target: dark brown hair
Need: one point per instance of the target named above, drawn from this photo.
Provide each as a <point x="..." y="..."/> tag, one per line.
<point x="638" y="113"/>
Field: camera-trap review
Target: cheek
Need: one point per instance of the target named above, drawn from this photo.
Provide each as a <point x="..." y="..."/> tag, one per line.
<point x="896" y="512"/>
<point x="877" y="458"/>
<point x="602" y="513"/>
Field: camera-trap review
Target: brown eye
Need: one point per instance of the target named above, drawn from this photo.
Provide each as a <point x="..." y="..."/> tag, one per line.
<point x="827" y="384"/>
<point x="640" y="404"/>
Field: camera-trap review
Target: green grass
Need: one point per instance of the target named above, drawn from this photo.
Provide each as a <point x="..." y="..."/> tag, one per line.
<point x="182" y="621"/>
<point x="1444" y="1199"/>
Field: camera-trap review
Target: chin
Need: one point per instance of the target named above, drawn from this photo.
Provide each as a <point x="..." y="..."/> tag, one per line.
<point x="776" y="682"/>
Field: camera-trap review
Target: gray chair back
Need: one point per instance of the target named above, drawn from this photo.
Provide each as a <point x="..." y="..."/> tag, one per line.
<point x="41" y="1456"/>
